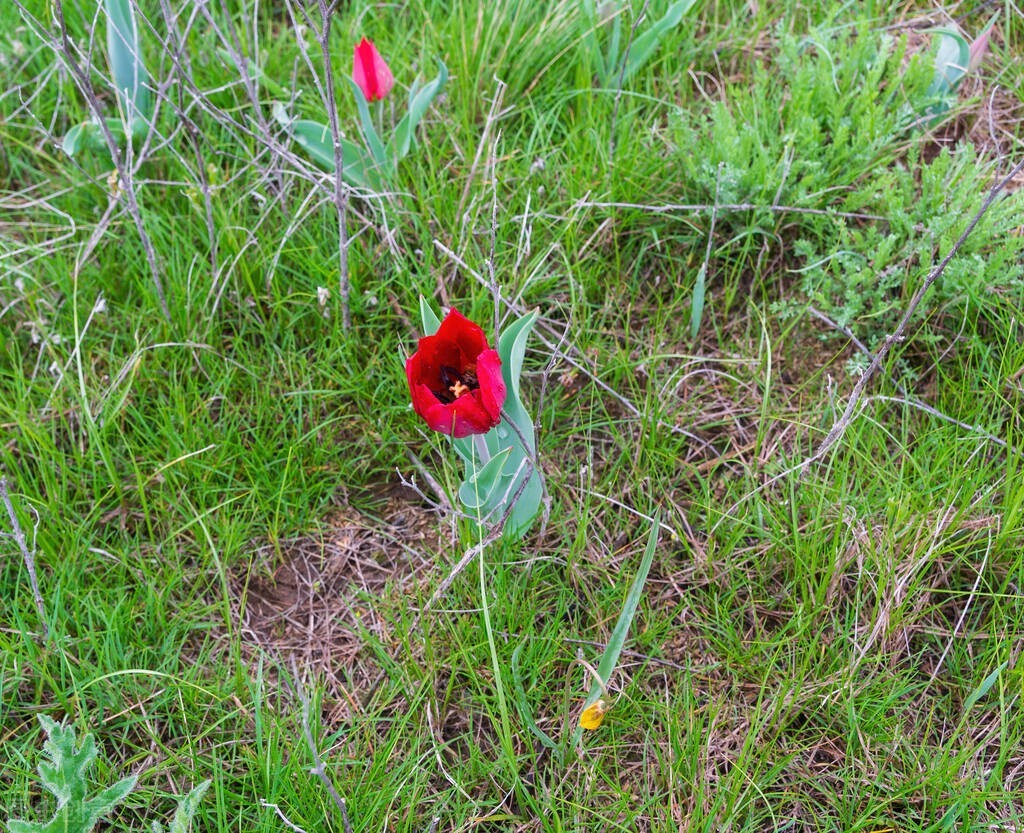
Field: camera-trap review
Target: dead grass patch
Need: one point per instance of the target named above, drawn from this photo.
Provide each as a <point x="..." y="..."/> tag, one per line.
<point x="316" y="601"/>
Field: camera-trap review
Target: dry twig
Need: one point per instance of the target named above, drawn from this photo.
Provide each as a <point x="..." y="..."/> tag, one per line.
<point x="63" y="47"/>
<point x="318" y="770"/>
<point x="841" y="424"/>
<point x="26" y="553"/>
<point x="622" y="75"/>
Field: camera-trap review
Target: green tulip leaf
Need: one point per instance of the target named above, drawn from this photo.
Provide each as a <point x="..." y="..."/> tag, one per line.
<point x="951" y="61"/>
<point x="512" y="350"/>
<point x="610" y="658"/>
<point x="644" y="45"/>
<point x="124" y="51"/>
<point x="414" y="90"/>
<point x="373" y="142"/>
<point x="428" y="318"/>
<point x="420" y="100"/>
<point x="697" y="305"/>
<point x="88" y="135"/>
<point x="526" y="508"/>
<point x="484" y="484"/>
<point x="315" y="139"/>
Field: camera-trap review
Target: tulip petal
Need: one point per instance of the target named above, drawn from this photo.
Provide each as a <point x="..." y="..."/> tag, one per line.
<point x="459" y="346"/>
<point x="370" y="72"/>
<point x="492" y="385"/>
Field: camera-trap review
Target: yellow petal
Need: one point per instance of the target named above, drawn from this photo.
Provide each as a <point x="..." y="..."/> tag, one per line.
<point x="594" y="714"/>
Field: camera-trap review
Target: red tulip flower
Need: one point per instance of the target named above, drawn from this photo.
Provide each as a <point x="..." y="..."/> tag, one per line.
<point x="370" y="72"/>
<point x="455" y="379"/>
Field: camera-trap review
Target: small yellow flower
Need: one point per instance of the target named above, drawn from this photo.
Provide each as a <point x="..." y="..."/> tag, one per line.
<point x="594" y="714"/>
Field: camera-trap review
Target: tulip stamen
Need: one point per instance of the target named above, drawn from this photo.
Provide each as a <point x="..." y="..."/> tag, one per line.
<point x="456" y="384"/>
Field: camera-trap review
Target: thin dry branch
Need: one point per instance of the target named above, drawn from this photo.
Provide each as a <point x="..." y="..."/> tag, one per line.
<point x="697" y="207"/>
<point x="340" y="190"/>
<point x="318" y="769"/>
<point x="622" y="75"/>
<point x="856" y="395"/>
<point x="841" y="424"/>
<point x="27" y="555"/>
<point x="905" y="397"/>
<point x="64" y="49"/>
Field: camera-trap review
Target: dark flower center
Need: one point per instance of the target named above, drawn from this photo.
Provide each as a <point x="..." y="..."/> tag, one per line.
<point x="455" y="384"/>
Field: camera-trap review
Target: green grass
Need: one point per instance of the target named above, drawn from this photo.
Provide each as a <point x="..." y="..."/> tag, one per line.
<point x="814" y="648"/>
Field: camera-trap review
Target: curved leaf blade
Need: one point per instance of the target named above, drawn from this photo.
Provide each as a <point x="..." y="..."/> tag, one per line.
<point x="124" y="52"/>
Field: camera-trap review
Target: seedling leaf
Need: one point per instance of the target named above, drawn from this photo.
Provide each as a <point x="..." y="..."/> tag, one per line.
<point x="610" y="658"/>
<point x="644" y="45"/>
<point x="420" y="100"/>
<point x="63" y="774"/>
<point x="985" y="687"/>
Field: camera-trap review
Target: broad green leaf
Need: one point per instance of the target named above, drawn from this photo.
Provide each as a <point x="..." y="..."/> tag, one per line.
<point x="481" y="485"/>
<point x="952" y="57"/>
<point x="526" y="508"/>
<point x="618" y="638"/>
<point x="124" y="51"/>
<point x="419" y="102"/>
<point x="428" y="318"/>
<point x="951" y="61"/>
<point x="512" y="350"/>
<point x="373" y="142"/>
<point x="645" y="44"/>
<point x="88" y="135"/>
<point x="315" y="139"/>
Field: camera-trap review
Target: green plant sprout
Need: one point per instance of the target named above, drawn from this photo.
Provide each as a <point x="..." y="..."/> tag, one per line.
<point x="64" y="774"/>
<point x="614" y="67"/>
<point x="373" y="165"/>
<point x="610" y="657"/>
<point x="131" y="82"/>
<point x="501" y="464"/>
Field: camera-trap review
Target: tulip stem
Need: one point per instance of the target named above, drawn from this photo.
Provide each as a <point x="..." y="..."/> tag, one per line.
<point x="482" y="451"/>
